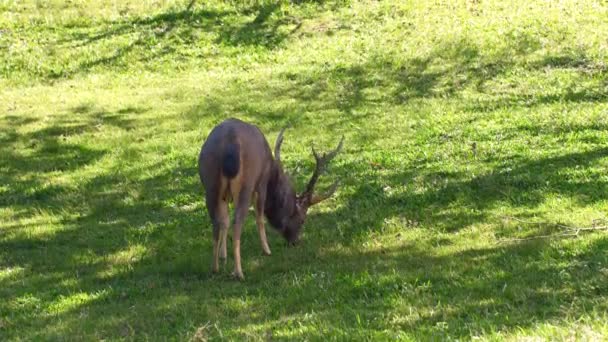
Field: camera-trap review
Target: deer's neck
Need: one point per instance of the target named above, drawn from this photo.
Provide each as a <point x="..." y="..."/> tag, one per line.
<point x="280" y="198"/>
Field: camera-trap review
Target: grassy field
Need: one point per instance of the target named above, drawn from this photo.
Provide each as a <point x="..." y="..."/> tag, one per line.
<point x="462" y="119"/>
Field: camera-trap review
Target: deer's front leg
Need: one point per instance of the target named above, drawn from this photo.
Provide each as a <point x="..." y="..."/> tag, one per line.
<point x="259" y="220"/>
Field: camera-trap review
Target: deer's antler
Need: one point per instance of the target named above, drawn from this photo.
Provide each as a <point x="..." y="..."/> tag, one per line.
<point x="277" y="145"/>
<point x="321" y="166"/>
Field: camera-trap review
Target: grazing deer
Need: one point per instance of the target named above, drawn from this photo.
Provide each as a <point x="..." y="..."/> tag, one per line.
<point x="235" y="164"/>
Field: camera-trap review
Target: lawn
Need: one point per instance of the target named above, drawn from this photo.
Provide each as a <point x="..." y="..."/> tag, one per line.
<point x="467" y="125"/>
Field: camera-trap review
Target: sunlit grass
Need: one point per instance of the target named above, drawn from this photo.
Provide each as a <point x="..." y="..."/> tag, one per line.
<point x="466" y="124"/>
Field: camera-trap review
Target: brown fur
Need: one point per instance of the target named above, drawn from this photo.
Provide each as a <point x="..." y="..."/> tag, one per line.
<point x="236" y="165"/>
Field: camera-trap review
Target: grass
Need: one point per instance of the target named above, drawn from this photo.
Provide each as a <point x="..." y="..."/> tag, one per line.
<point x="457" y="115"/>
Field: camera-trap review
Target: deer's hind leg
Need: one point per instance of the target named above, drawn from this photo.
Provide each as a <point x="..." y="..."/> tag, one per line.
<point x="224" y="222"/>
<point x="220" y="230"/>
<point x="218" y="212"/>
<point x="240" y="213"/>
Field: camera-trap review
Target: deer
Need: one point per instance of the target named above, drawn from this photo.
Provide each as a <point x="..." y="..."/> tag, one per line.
<point x="236" y="165"/>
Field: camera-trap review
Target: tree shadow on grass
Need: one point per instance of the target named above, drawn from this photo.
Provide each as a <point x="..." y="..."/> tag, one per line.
<point x="346" y="97"/>
<point x="454" y="200"/>
<point x="174" y="31"/>
<point x="29" y="158"/>
<point x="261" y="31"/>
<point x="460" y="294"/>
<point x="167" y="290"/>
<point x="23" y="173"/>
<point x="523" y="100"/>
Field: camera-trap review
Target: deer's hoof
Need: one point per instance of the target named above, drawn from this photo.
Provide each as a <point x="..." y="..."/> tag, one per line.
<point x="267" y="252"/>
<point x="238" y="275"/>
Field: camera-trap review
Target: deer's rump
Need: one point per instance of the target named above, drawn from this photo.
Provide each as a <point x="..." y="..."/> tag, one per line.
<point x="235" y="155"/>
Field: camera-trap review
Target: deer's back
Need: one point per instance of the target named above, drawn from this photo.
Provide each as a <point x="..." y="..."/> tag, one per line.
<point x="254" y="155"/>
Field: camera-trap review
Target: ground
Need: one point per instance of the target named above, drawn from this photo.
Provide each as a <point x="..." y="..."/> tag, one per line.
<point x="467" y="124"/>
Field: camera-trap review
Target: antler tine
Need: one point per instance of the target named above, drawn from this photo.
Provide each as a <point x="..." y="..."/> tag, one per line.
<point x="330" y="155"/>
<point x="321" y="165"/>
<point x="277" y="145"/>
<point x="318" y="198"/>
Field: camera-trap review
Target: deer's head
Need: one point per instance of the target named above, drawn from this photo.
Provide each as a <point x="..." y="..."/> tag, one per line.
<point x="292" y="214"/>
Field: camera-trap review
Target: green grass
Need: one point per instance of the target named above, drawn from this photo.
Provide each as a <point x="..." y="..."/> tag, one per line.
<point x="456" y="114"/>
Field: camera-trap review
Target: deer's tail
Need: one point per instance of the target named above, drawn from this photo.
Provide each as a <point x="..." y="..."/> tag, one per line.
<point x="231" y="159"/>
